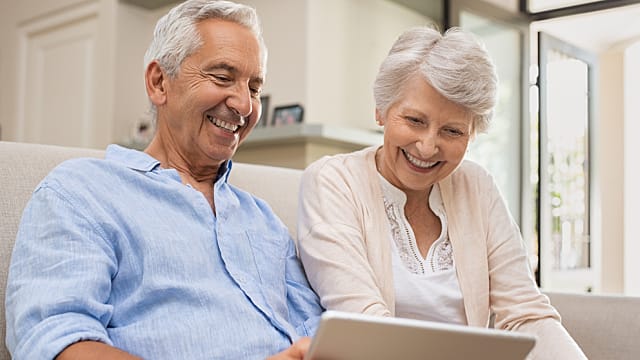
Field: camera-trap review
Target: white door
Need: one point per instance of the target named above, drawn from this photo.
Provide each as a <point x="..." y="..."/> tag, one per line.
<point x="54" y="73"/>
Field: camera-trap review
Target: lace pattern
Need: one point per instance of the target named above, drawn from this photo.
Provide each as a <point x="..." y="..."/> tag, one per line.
<point x="440" y="255"/>
<point x="402" y="238"/>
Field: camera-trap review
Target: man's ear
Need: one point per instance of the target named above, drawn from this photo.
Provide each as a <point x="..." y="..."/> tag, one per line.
<point x="155" y="79"/>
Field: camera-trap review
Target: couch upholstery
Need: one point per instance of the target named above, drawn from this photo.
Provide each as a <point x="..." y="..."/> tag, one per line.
<point x="606" y="327"/>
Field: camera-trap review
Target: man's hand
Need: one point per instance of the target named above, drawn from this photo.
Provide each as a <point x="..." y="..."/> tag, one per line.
<point x="295" y="351"/>
<point x="93" y="350"/>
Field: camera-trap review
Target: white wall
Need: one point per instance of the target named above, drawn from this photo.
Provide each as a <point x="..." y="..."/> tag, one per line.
<point x="325" y="54"/>
<point x="284" y="25"/>
<point x="346" y="42"/>
<point x="632" y="170"/>
<point x="608" y="150"/>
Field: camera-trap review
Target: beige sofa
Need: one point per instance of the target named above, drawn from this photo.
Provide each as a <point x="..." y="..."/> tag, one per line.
<point x="606" y="327"/>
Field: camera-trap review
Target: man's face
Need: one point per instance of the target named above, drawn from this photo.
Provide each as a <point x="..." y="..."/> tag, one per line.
<point x="213" y="103"/>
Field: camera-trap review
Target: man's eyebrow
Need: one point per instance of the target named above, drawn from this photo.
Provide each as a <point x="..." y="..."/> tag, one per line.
<point x="222" y="66"/>
<point x="258" y="80"/>
<point x="233" y="70"/>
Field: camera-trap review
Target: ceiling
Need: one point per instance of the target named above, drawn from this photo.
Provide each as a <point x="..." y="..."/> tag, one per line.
<point x="150" y="4"/>
<point x="596" y="31"/>
<point x="433" y="9"/>
<point x="593" y="31"/>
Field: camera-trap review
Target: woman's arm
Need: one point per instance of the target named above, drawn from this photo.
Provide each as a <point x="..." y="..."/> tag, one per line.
<point x="514" y="295"/>
<point x="334" y="242"/>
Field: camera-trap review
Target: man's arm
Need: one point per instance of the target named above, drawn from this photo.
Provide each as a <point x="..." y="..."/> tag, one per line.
<point x="304" y="304"/>
<point x="94" y="350"/>
<point x="59" y="279"/>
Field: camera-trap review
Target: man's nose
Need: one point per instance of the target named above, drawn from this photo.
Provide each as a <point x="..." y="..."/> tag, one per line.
<point x="240" y="100"/>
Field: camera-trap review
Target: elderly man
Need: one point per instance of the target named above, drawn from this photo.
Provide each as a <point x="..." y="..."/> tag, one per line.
<point x="153" y="254"/>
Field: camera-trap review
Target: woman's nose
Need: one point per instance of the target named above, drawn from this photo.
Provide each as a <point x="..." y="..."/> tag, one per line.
<point x="428" y="144"/>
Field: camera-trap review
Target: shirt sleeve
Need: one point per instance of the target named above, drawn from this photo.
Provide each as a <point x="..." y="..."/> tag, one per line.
<point x="304" y="305"/>
<point x="59" y="279"/>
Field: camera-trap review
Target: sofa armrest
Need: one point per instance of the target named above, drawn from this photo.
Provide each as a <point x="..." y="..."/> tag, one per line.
<point x="605" y="326"/>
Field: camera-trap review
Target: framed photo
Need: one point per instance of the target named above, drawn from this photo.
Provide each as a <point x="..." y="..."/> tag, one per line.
<point x="286" y="115"/>
<point x="264" y="115"/>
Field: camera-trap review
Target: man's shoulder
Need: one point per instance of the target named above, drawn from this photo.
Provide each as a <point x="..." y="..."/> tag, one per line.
<point x="82" y="173"/>
<point x="78" y="167"/>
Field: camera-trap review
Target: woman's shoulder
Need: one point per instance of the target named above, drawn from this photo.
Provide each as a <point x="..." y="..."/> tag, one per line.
<point x="470" y="172"/>
<point x="356" y="161"/>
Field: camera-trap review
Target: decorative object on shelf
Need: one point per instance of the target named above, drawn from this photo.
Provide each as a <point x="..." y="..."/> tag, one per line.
<point x="264" y="115"/>
<point x="142" y="132"/>
<point x="286" y="115"/>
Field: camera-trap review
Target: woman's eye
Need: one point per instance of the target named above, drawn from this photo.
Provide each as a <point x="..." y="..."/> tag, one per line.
<point x="454" y="132"/>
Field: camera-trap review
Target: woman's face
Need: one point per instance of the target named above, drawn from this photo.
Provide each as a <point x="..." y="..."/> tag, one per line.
<point x="425" y="137"/>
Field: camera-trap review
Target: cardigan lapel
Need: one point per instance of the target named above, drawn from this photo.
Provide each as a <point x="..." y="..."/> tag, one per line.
<point x="469" y="248"/>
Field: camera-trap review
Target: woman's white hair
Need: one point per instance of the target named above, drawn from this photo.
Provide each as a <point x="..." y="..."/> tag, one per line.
<point x="455" y="64"/>
<point x="176" y="36"/>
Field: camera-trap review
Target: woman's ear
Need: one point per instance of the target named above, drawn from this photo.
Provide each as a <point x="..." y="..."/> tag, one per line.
<point x="379" y="119"/>
<point x="155" y="83"/>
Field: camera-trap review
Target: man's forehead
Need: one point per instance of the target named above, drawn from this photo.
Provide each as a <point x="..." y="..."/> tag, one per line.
<point x="232" y="46"/>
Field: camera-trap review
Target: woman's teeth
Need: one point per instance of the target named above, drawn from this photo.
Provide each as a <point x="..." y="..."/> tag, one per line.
<point x="417" y="162"/>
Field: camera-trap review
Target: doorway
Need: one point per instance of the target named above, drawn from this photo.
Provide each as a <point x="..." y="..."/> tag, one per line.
<point x="595" y="28"/>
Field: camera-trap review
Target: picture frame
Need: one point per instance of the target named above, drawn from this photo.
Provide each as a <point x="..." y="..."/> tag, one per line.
<point x="264" y="115"/>
<point x="287" y="115"/>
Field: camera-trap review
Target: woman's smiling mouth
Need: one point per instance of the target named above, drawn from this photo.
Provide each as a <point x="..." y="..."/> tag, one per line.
<point x="419" y="163"/>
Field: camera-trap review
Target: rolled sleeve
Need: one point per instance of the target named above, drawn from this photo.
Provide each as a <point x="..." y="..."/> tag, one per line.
<point x="58" y="287"/>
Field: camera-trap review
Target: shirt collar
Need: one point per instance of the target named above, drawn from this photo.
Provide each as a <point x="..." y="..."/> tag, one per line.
<point x="141" y="161"/>
<point x="133" y="159"/>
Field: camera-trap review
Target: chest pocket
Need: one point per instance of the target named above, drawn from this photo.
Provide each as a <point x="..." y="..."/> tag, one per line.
<point x="257" y="262"/>
<point x="269" y="255"/>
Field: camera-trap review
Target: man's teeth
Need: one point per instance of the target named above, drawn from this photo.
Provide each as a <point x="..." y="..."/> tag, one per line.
<point x="419" y="163"/>
<point x="223" y="124"/>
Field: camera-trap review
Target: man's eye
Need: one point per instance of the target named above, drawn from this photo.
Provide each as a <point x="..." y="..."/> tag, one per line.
<point x="220" y="78"/>
<point x="413" y="120"/>
<point x="255" y="91"/>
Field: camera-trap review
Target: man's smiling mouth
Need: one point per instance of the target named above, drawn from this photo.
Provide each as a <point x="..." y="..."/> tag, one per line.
<point x="223" y="124"/>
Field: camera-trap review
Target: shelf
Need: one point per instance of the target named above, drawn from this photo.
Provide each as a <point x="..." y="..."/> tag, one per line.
<point x="296" y="146"/>
<point x="317" y="133"/>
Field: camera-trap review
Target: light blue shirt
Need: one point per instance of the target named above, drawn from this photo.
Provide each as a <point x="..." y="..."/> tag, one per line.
<point x="120" y="251"/>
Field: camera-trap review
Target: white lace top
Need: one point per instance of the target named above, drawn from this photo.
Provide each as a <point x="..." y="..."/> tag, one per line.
<point x="426" y="288"/>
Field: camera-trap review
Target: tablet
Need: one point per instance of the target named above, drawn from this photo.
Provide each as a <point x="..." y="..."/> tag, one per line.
<point x="343" y="336"/>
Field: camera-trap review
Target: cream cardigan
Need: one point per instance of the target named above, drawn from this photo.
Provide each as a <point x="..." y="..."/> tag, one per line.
<point x="343" y="237"/>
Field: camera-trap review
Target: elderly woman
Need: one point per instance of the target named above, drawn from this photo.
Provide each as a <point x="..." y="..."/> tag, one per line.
<point x="409" y="229"/>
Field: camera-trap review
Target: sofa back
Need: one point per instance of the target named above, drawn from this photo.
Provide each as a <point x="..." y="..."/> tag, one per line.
<point x="606" y="327"/>
<point x="23" y="166"/>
